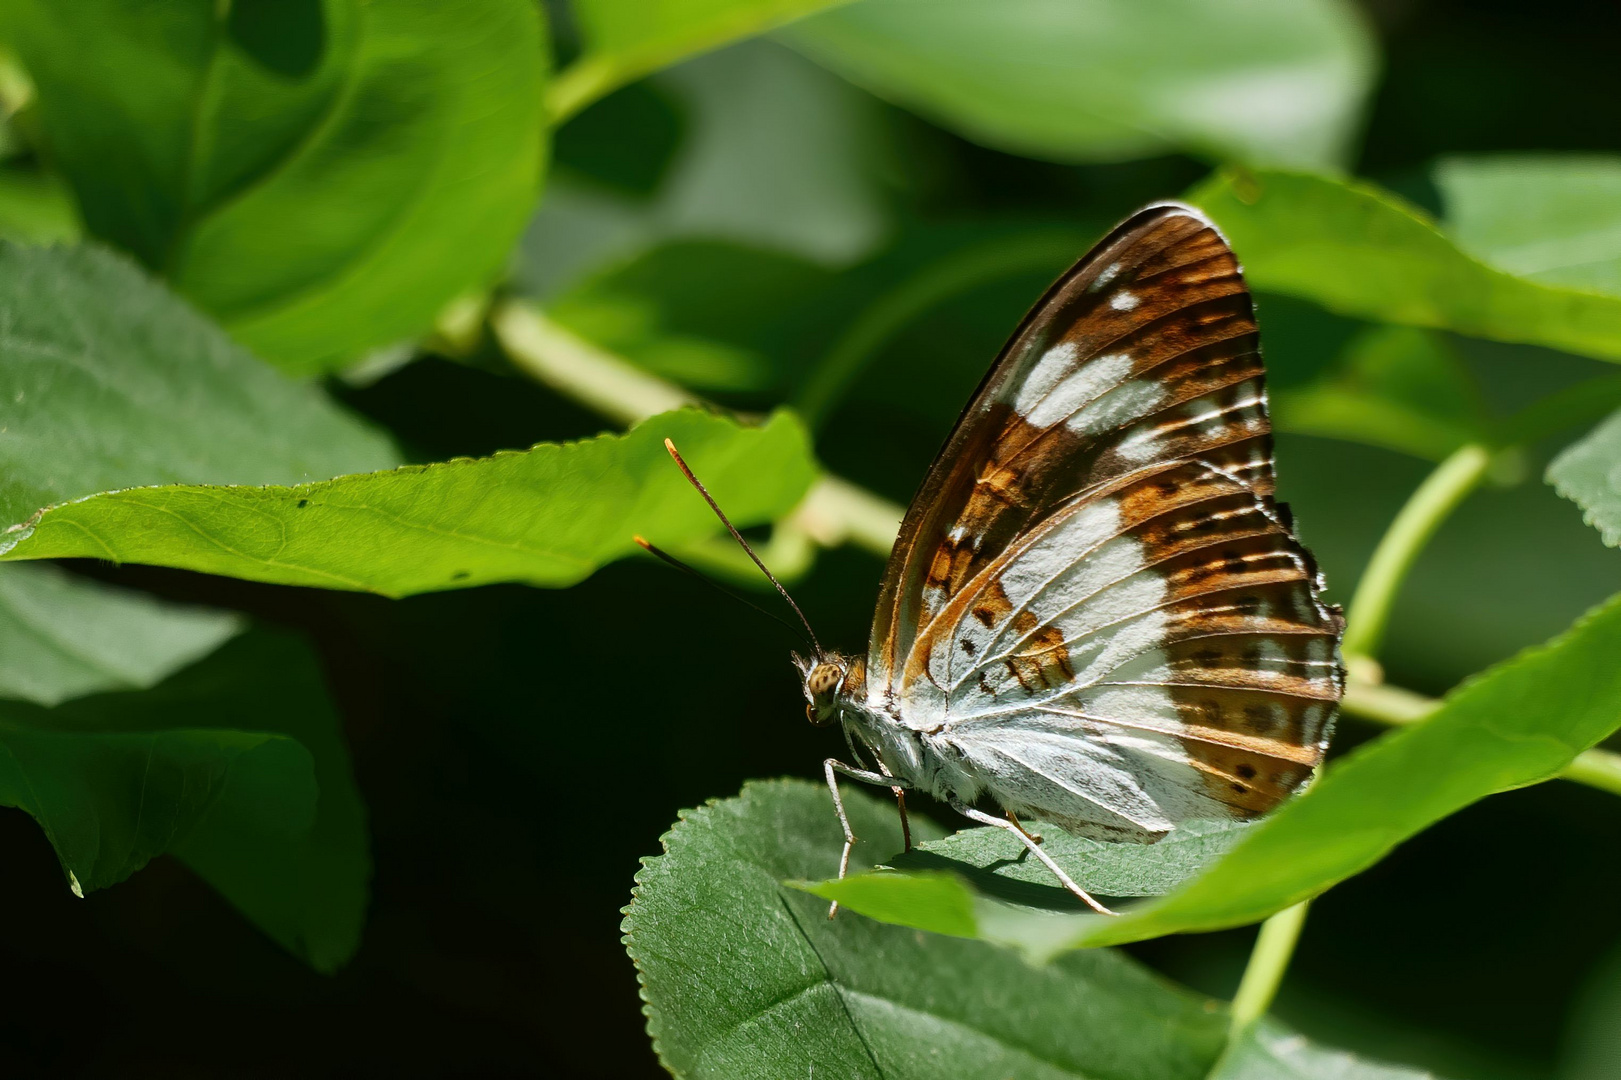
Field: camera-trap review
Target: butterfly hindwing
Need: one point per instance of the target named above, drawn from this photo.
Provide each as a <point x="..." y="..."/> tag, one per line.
<point x="1094" y="599"/>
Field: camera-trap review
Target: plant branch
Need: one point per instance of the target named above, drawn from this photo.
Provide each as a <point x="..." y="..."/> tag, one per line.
<point x="1269" y="959"/>
<point x="834" y="511"/>
<point x="1440" y="493"/>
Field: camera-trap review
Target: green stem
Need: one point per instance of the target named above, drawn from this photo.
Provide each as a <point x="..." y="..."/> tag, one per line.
<point x="1268" y="961"/>
<point x="1429" y="506"/>
<point x="1395" y="707"/>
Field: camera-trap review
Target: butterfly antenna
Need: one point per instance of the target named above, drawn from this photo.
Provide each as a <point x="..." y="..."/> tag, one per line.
<point x="652" y="549"/>
<point x="724" y="520"/>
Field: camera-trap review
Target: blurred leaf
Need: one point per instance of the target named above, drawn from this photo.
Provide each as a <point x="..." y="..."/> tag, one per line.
<point x="1591" y="1046"/>
<point x="308" y="891"/>
<point x="778" y="154"/>
<point x="701" y="314"/>
<point x="1550" y="218"/>
<point x="265" y="809"/>
<point x="1109" y="80"/>
<point x="1361" y="251"/>
<point x="322" y="175"/>
<point x="1518" y="723"/>
<point x="35" y="208"/>
<point x="63" y="636"/>
<point x="1395" y="387"/>
<point x="1270" y="1052"/>
<point x="743" y="978"/>
<point x="548" y="516"/>
<point x="107" y="381"/>
<point x="1588" y="473"/>
<point x="626" y="39"/>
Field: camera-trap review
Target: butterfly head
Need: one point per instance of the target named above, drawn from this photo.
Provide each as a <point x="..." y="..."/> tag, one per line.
<point x="826" y="678"/>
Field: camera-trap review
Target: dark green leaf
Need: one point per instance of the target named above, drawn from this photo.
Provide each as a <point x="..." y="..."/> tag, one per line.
<point x="1109" y="80"/>
<point x="322" y="175"/>
<point x="63" y="637"/>
<point x="1361" y="251"/>
<point x="1588" y="473"/>
<point x="1590" y="1049"/>
<point x="1519" y="723"/>
<point x="744" y="978"/>
<point x="1554" y="218"/>
<point x="107" y="382"/>
<point x="1396" y="387"/>
<point x="546" y="516"/>
<point x="701" y="314"/>
<point x="264" y="809"/>
<point x="308" y="891"/>
<point x="1271" y="1052"/>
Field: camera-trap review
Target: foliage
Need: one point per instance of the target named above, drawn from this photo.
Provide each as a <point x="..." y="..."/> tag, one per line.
<point x="278" y="308"/>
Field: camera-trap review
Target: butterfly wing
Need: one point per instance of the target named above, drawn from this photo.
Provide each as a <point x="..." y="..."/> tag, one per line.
<point x="1094" y="601"/>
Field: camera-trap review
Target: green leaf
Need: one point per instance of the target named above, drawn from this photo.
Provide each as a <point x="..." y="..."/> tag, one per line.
<point x="35" y="208"/>
<point x="1109" y="80"/>
<point x="996" y="863"/>
<point x="706" y="315"/>
<point x="1271" y="1052"/>
<point x="264" y="809"/>
<point x="1396" y="387"/>
<point x="626" y="39"/>
<point x="1358" y="250"/>
<point x="63" y="636"/>
<point x="1589" y="1049"/>
<point x="547" y="516"/>
<point x="743" y="978"/>
<point x="308" y="891"/>
<point x="107" y="382"/>
<point x="1519" y="723"/>
<point x="778" y="154"/>
<point x="1588" y="473"/>
<point x="1553" y="218"/>
<point x="321" y="175"/>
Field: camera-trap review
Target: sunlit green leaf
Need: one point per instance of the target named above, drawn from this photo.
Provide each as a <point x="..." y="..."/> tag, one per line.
<point x="1554" y="218"/>
<point x="63" y="636"/>
<point x="626" y="39"/>
<point x="744" y="978"/>
<point x="322" y="175"/>
<point x="1270" y="1052"/>
<point x="1396" y="387"/>
<point x="1361" y="251"/>
<point x="1519" y="723"/>
<point x="1107" y="80"/>
<point x="1588" y="473"/>
<point x="546" y="516"/>
<point x="107" y="381"/>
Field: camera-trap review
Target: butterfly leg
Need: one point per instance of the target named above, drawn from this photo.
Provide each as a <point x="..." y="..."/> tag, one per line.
<point x="1035" y="849"/>
<point x="833" y="766"/>
<point x="1035" y="838"/>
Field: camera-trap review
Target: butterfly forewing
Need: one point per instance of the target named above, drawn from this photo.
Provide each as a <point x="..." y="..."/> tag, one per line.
<point x="1094" y="598"/>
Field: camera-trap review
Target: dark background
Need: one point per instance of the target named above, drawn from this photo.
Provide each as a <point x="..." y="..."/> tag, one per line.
<point x="515" y="770"/>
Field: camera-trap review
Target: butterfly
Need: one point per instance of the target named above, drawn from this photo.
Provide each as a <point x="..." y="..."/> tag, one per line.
<point x="1095" y="613"/>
